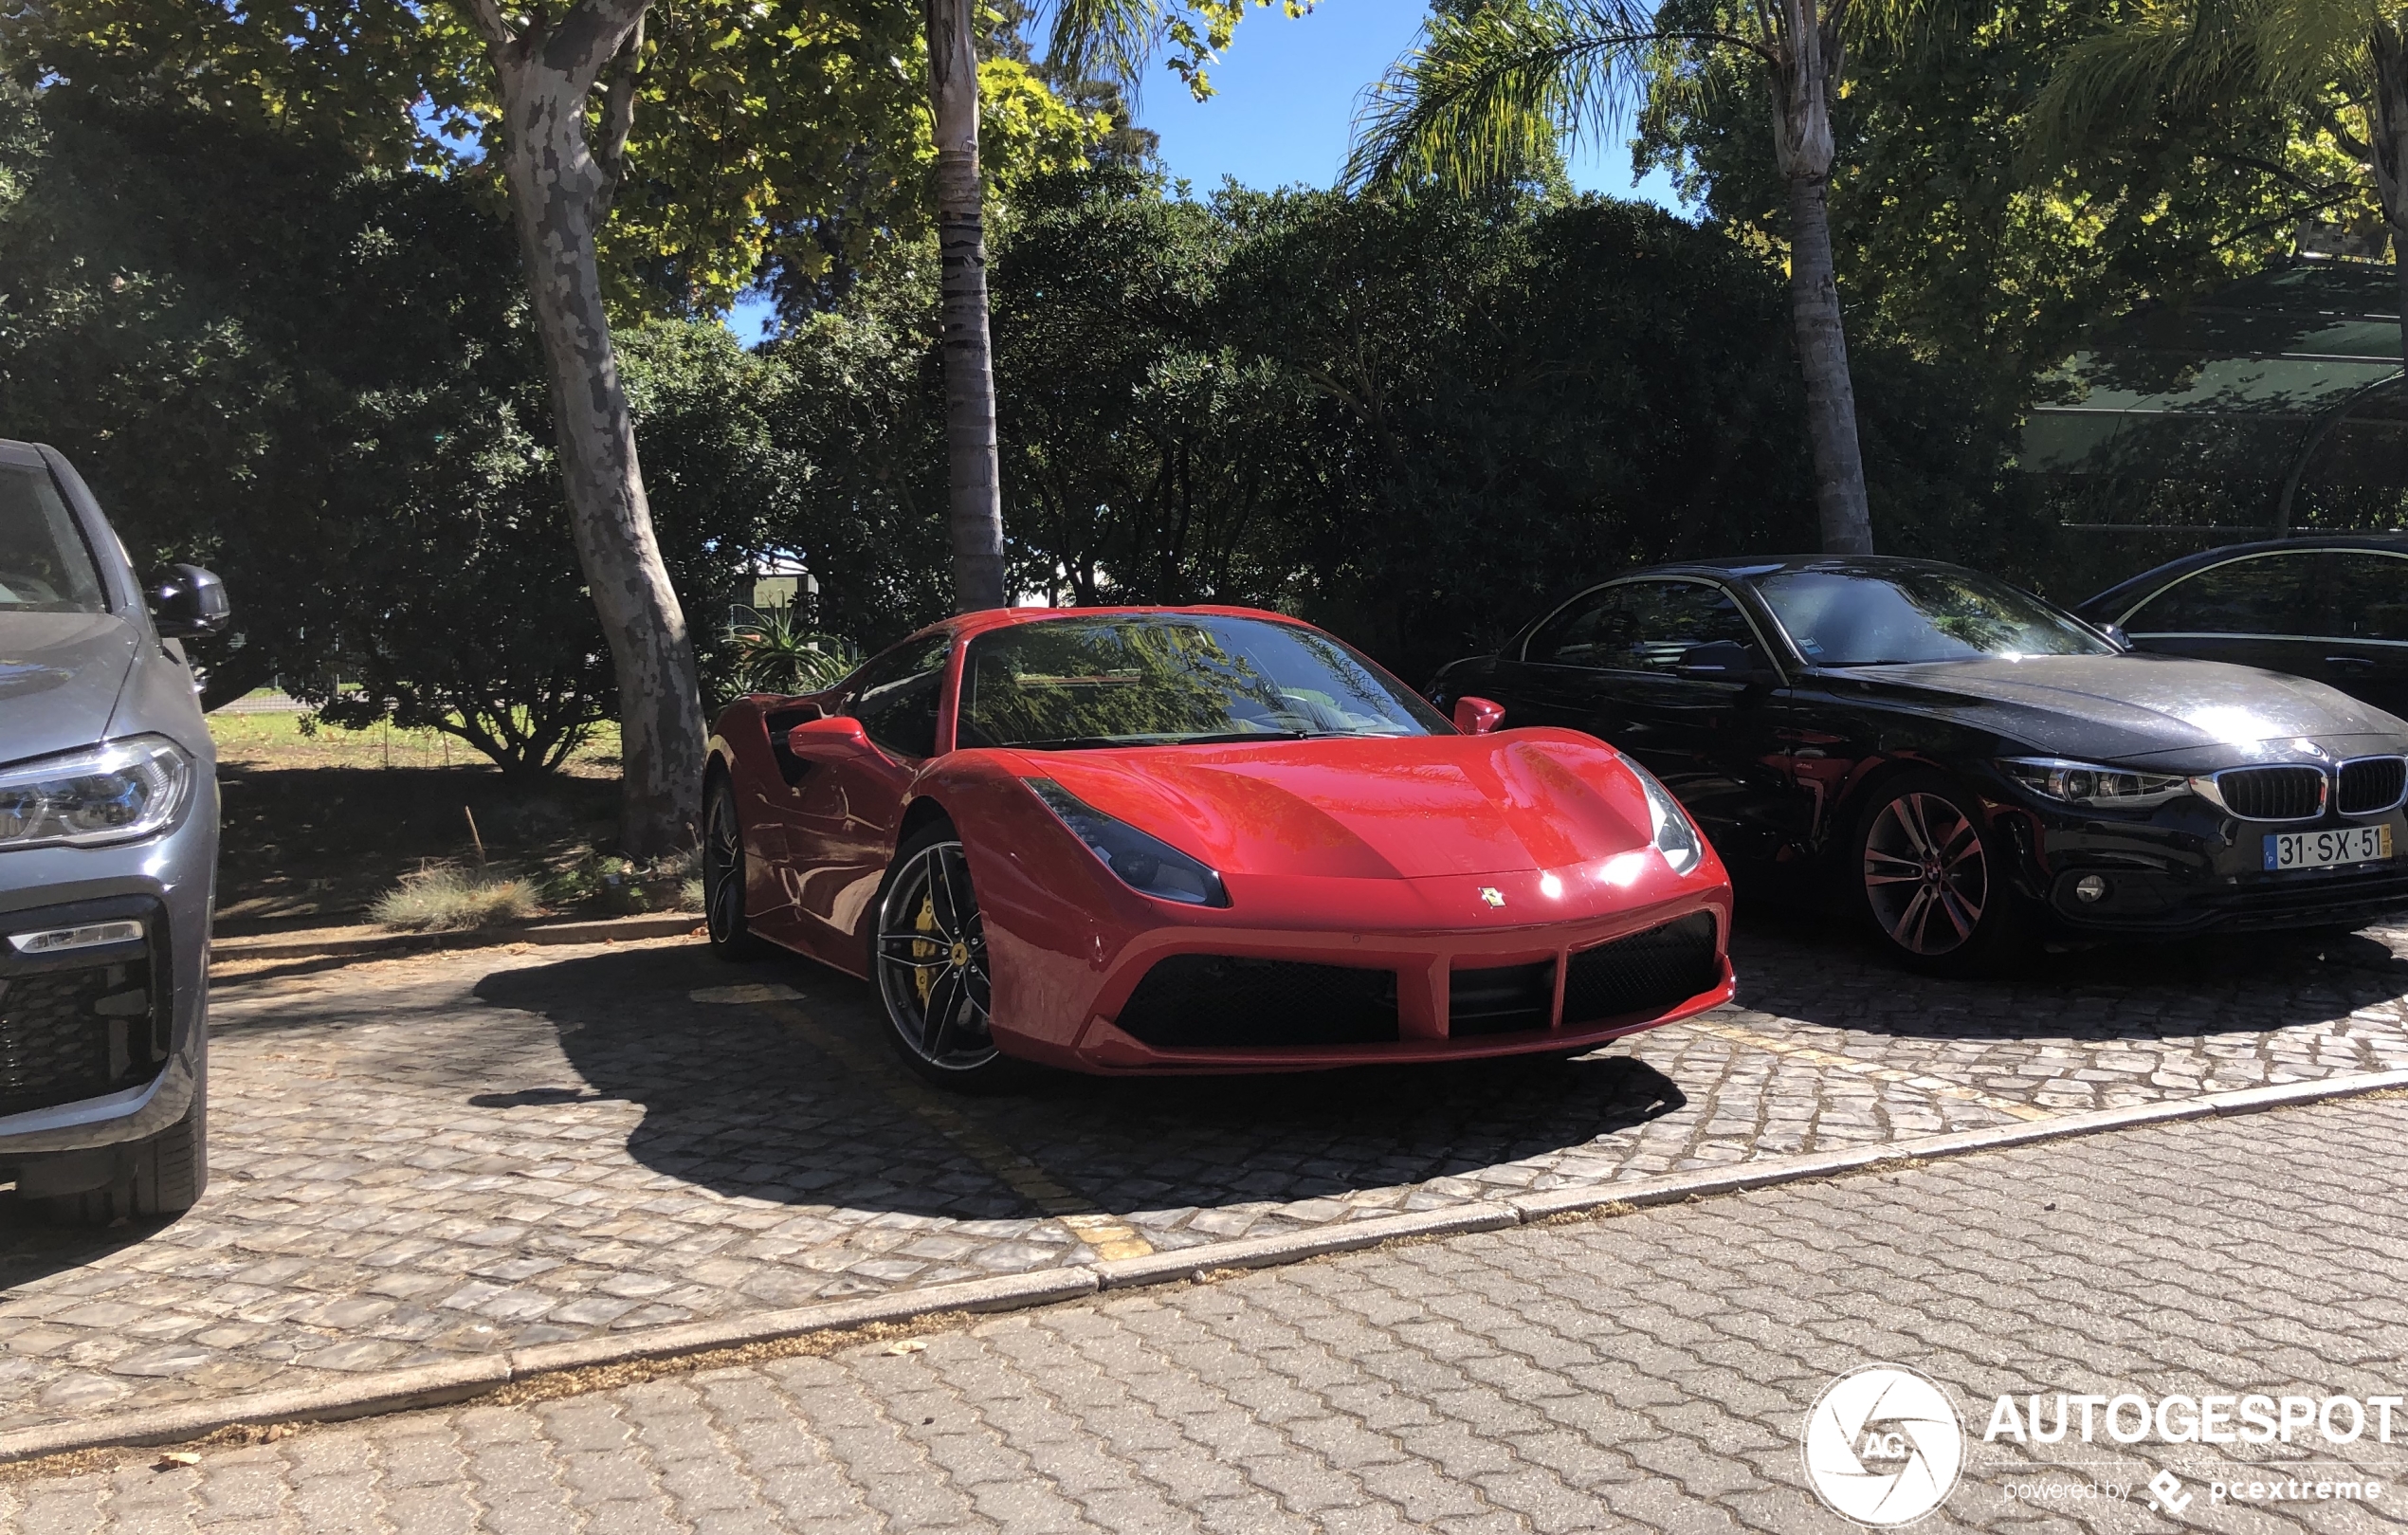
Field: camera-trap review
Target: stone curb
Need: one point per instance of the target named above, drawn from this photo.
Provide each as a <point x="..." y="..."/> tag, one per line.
<point x="428" y="1385"/>
<point x="659" y="924"/>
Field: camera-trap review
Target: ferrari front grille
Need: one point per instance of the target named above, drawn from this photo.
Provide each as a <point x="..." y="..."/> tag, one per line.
<point x="2272" y="794"/>
<point x="1508" y="1000"/>
<point x="1644" y="973"/>
<point x="1208" y="1001"/>
<point x="2372" y="785"/>
<point x="71" y="1035"/>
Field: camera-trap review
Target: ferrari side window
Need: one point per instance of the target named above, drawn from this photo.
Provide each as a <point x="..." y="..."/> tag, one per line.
<point x="895" y="699"/>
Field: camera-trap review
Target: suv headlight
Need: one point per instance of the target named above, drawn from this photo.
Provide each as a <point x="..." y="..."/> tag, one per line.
<point x="2085" y="783"/>
<point x="121" y="792"/>
<point x="1670" y="828"/>
<point x="1145" y="863"/>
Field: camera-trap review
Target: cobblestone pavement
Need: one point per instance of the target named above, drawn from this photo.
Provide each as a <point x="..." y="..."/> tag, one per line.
<point x="459" y="1152"/>
<point x="1650" y="1372"/>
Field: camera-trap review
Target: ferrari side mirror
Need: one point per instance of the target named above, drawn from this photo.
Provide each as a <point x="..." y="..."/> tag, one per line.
<point x="1477" y="716"/>
<point x="826" y="739"/>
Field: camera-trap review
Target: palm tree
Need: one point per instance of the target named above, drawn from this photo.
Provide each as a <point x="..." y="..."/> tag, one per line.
<point x="1107" y="40"/>
<point x="2338" y="60"/>
<point x="1492" y="86"/>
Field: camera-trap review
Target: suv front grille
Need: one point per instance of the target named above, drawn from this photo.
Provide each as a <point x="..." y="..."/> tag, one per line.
<point x="68" y="1034"/>
<point x="2272" y="794"/>
<point x="2371" y="785"/>
<point x="1644" y="973"/>
<point x="1208" y="1000"/>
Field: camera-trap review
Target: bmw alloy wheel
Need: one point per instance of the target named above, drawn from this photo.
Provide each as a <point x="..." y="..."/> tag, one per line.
<point x="1926" y="875"/>
<point x="932" y="960"/>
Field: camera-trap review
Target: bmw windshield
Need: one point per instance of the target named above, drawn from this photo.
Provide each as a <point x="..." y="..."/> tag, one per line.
<point x="1173" y="678"/>
<point x="1893" y="617"/>
<point x="44" y="564"/>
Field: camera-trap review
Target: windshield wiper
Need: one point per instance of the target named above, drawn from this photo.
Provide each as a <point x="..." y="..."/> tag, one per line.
<point x="1072" y="743"/>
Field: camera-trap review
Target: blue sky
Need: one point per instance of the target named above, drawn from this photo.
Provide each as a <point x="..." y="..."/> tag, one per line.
<point x="1286" y="106"/>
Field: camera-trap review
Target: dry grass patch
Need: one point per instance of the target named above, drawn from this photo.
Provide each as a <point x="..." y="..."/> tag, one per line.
<point x="450" y="899"/>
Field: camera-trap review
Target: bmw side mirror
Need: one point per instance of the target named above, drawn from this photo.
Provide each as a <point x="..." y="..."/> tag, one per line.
<point x="1728" y="661"/>
<point x="1477" y="716"/>
<point x="2116" y="636"/>
<point x="187" y="602"/>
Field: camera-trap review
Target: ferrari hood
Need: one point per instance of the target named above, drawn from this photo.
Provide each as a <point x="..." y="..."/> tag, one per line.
<point x="2128" y="708"/>
<point x="1370" y="807"/>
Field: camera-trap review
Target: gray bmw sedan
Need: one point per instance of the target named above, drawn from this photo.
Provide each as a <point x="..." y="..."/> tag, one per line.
<point x="108" y="859"/>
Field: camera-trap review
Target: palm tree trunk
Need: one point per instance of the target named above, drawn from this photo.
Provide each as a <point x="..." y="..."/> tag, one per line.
<point x="1822" y="354"/>
<point x="558" y="196"/>
<point x="977" y="501"/>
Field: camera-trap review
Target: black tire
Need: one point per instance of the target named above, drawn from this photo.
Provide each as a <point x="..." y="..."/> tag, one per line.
<point x="928" y="959"/>
<point x="167" y="1175"/>
<point x="723" y="877"/>
<point x="1932" y="882"/>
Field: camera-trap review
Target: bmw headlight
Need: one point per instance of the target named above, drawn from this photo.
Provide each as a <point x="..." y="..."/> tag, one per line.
<point x="1674" y="836"/>
<point x="1145" y="863"/>
<point x="121" y="792"/>
<point x="2087" y="784"/>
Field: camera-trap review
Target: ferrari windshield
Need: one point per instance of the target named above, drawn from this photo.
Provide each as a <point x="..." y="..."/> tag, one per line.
<point x="1888" y="616"/>
<point x="1173" y="678"/>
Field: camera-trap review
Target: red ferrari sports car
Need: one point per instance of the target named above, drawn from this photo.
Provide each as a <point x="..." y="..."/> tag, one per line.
<point x="1201" y="839"/>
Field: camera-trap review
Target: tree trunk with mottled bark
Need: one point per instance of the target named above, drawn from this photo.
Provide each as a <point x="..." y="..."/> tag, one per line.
<point x="975" y="517"/>
<point x="559" y="192"/>
<point x="2390" y="114"/>
<point x="1803" y="84"/>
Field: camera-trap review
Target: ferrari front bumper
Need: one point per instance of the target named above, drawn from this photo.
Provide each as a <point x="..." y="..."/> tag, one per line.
<point x="1280" y="983"/>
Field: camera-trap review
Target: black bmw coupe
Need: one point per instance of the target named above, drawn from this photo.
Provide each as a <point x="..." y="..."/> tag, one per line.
<point x="1965" y="763"/>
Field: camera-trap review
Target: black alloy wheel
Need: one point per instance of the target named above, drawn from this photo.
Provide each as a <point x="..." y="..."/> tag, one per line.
<point x="723" y="917"/>
<point x="930" y="953"/>
<point x="1929" y="880"/>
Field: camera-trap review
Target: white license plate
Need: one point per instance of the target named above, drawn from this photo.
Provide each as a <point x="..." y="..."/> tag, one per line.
<point x="2327" y="849"/>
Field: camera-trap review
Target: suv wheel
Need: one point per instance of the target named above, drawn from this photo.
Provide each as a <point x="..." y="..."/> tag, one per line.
<point x="169" y="1172"/>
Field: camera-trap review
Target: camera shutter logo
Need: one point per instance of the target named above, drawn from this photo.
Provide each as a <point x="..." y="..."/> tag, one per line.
<point x="1884" y="1445"/>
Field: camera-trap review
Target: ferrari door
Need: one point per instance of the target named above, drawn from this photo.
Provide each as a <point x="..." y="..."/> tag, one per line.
<point x="840" y="828"/>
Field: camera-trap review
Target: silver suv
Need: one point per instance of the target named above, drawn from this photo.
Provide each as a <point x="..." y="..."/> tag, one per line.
<point x="108" y="859"/>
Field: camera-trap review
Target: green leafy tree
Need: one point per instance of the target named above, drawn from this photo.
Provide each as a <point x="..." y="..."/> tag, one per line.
<point x="1493" y="86"/>
<point x="2332" y="72"/>
<point x="1112" y="40"/>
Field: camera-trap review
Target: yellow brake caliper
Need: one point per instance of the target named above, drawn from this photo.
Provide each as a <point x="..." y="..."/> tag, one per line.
<point x="923" y="949"/>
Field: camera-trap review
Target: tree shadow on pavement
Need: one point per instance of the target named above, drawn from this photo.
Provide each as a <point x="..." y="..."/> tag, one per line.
<point x="804" y="1102"/>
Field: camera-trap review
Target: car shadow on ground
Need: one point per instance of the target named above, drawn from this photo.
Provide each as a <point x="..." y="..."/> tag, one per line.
<point x="805" y="1101"/>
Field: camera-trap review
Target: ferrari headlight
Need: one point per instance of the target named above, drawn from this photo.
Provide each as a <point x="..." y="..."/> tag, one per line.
<point x="1145" y="863"/>
<point x="1674" y="834"/>
<point x="2083" y="783"/>
<point x="121" y="792"/>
